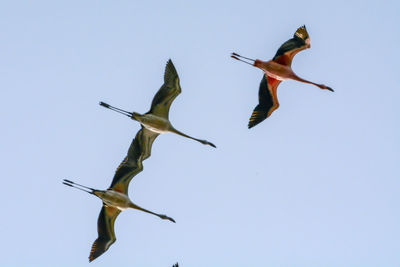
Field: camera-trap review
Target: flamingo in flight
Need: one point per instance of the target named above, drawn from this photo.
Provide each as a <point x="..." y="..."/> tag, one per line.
<point x="156" y="120"/>
<point x="115" y="198"/>
<point x="276" y="70"/>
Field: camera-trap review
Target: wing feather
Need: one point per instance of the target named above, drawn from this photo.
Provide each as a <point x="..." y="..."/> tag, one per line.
<point x="167" y="93"/>
<point x="105" y="230"/>
<point x="268" y="101"/>
<point x="291" y="47"/>
<point x="139" y="150"/>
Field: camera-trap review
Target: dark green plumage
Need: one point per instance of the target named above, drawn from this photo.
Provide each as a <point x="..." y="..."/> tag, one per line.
<point x="167" y="93"/>
<point x="105" y="229"/>
<point x="139" y="150"/>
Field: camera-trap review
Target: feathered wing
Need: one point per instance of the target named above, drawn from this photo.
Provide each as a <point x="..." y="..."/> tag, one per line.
<point x="105" y="229"/>
<point x="167" y="93"/>
<point x="139" y="150"/>
<point x="291" y="47"/>
<point x="267" y="99"/>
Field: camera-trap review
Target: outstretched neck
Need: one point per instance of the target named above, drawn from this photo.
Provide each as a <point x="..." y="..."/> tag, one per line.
<point x="134" y="206"/>
<point x="161" y="216"/>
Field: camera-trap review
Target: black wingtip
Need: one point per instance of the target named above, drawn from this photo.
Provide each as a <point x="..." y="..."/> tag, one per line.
<point x="254" y="123"/>
<point x="330" y="89"/>
<point x="104" y="104"/>
<point x="251" y="126"/>
<point x="169" y="62"/>
<point x="211" y="144"/>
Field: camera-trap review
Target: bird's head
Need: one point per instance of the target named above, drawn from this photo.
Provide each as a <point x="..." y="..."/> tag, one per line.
<point x="165" y="217"/>
<point x="324" y="87"/>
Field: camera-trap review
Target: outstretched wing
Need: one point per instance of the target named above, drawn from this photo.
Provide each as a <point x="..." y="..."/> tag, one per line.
<point x="291" y="47"/>
<point x="167" y="93"/>
<point x="176" y="265"/>
<point x="267" y="99"/>
<point x="139" y="150"/>
<point x="105" y="229"/>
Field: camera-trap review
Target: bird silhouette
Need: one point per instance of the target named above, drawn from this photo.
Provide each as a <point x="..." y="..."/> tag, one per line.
<point x="156" y="120"/>
<point x="115" y="198"/>
<point x="276" y="70"/>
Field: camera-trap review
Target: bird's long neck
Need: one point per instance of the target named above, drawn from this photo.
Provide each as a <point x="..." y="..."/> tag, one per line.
<point x="204" y="142"/>
<point x="297" y="78"/>
<point x="134" y="206"/>
<point x="173" y="130"/>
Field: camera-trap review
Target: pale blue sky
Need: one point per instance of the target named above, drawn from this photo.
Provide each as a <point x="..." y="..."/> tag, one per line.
<point x="316" y="184"/>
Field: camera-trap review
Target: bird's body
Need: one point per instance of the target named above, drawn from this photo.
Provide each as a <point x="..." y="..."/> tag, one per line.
<point x="154" y="123"/>
<point x="114" y="199"/>
<point x="276" y="70"/>
<point x="156" y="119"/>
<point x="113" y="203"/>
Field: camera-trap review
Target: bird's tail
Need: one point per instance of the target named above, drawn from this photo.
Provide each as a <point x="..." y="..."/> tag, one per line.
<point x="79" y="186"/>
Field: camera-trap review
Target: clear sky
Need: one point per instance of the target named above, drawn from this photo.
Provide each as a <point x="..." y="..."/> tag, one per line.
<point x="316" y="184"/>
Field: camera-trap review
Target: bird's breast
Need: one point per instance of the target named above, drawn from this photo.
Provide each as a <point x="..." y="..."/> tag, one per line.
<point x="156" y="124"/>
<point x="115" y="199"/>
<point x="278" y="71"/>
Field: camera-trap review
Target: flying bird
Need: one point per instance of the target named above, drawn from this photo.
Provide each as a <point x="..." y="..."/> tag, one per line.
<point x="115" y="198"/>
<point x="156" y="120"/>
<point x="276" y="70"/>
